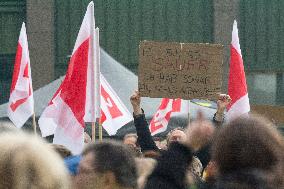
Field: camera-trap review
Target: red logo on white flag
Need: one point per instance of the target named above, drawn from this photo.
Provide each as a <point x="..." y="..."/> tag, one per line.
<point x="162" y="117"/>
<point x="23" y="99"/>
<point x="114" y="114"/>
<point x="21" y="96"/>
<point x="110" y="104"/>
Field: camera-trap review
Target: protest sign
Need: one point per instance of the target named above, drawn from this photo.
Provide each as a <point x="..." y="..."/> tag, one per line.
<point x="180" y="70"/>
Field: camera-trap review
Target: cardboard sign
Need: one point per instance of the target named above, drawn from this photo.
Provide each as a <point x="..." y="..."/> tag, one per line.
<point x="180" y="70"/>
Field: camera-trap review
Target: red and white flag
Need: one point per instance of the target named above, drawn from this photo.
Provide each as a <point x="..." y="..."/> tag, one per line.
<point x="93" y="83"/>
<point x="64" y="116"/>
<point x="114" y="114"/>
<point x="162" y="117"/>
<point x="21" y="102"/>
<point x="237" y="86"/>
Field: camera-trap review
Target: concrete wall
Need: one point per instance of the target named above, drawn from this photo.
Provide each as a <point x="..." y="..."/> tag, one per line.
<point x="225" y="11"/>
<point x="40" y="31"/>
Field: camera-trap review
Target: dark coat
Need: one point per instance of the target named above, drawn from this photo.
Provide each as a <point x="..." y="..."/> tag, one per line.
<point x="147" y="143"/>
<point x="170" y="172"/>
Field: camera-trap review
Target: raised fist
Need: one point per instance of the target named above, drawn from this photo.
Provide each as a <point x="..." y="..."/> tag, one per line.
<point x="135" y="100"/>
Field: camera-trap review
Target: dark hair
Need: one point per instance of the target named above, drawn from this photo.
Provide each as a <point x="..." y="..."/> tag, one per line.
<point x="159" y="139"/>
<point x="248" y="143"/>
<point x="117" y="158"/>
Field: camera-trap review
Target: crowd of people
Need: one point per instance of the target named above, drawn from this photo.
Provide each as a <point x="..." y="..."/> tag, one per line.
<point x="245" y="153"/>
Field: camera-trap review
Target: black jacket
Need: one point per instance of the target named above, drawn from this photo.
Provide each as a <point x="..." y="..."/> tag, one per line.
<point x="147" y="143"/>
<point x="170" y="172"/>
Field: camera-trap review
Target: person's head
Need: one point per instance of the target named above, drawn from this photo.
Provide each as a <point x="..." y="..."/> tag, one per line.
<point x="61" y="150"/>
<point x="130" y="139"/>
<point x="193" y="174"/>
<point x="87" y="138"/>
<point x="157" y="141"/>
<point x="107" y="165"/>
<point x="6" y="126"/>
<point x="196" y="167"/>
<point x="210" y="172"/>
<point x="246" y="144"/>
<point x="177" y="134"/>
<point x="27" y="162"/>
<point x="145" y="166"/>
<point x="151" y="154"/>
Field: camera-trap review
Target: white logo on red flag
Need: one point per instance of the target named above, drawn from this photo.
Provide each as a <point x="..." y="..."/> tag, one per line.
<point x="21" y="104"/>
<point x="162" y="117"/>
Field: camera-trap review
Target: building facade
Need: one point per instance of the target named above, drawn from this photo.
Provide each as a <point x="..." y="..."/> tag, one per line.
<point x="52" y="27"/>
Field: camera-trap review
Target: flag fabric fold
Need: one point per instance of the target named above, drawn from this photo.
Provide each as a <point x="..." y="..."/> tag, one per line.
<point x="64" y="116"/>
<point x="97" y="75"/>
<point x="237" y="86"/>
<point x="21" y="103"/>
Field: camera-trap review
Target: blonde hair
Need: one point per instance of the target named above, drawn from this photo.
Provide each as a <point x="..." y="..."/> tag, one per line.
<point x="196" y="166"/>
<point x="6" y="126"/>
<point x="27" y="162"/>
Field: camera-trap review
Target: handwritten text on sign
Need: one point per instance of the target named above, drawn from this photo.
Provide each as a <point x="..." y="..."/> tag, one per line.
<point x="180" y="70"/>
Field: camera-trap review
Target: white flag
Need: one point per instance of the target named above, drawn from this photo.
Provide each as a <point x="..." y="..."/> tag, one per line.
<point x="114" y="114"/>
<point x="21" y="102"/>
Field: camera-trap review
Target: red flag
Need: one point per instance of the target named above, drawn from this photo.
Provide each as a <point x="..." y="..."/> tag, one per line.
<point x="114" y="113"/>
<point x="162" y="117"/>
<point x="21" y="103"/>
<point x="65" y="114"/>
<point x="237" y="86"/>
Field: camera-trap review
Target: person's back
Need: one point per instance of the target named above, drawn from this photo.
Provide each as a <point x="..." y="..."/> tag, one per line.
<point x="28" y="163"/>
<point x="249" y="155"/>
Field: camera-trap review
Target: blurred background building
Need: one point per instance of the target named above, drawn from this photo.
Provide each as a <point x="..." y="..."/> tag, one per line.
<point x="52" y="27"/>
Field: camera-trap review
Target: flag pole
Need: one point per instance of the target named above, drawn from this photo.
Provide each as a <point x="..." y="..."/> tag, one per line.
<point x="34" y="117"/>
<point x="34" y="123"/>
<point x="188" y="114"/>
<point x="93" y="132"/>
<point x="100" y="132"/>
<point x="98" y="99"/>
